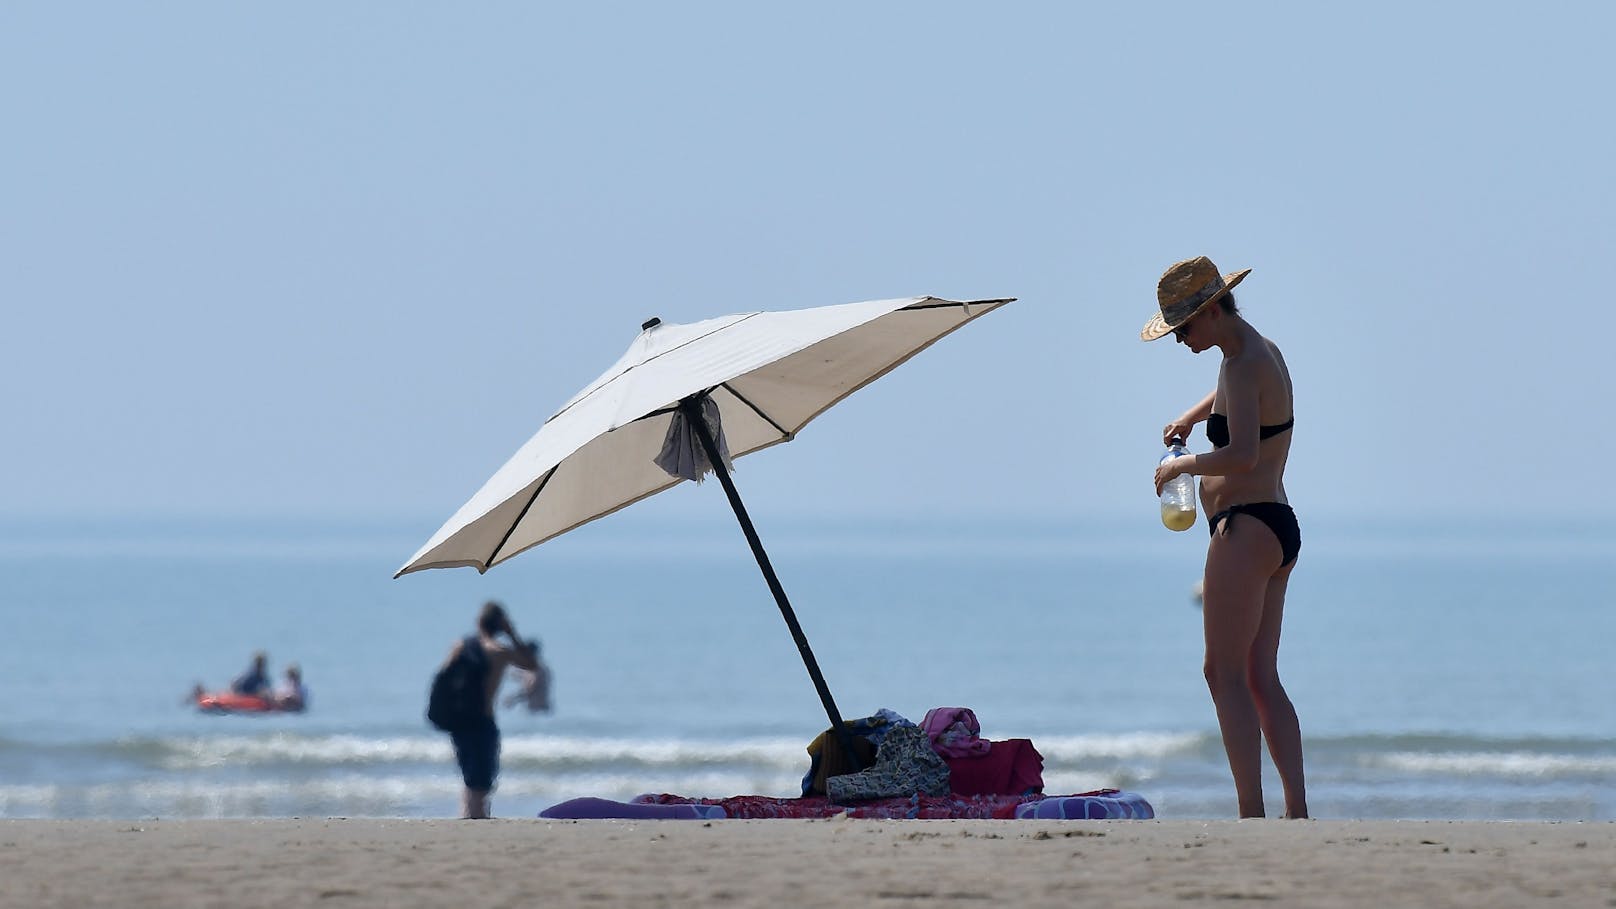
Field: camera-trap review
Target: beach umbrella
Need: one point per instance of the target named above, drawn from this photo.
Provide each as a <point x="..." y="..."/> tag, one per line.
<point x="685" y="399"/>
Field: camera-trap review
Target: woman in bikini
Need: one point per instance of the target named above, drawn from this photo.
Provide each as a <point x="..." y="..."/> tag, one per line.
<point x="1255" y="538"/>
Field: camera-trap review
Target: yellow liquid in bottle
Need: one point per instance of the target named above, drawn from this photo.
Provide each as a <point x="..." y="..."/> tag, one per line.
<point x="1174" y="518"/>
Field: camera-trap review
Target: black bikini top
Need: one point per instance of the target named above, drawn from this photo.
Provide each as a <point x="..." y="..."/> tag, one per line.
<point x="1217" y="429"/>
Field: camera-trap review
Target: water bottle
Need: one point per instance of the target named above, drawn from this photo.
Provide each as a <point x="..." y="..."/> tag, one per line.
<point x="1178" y="496"/>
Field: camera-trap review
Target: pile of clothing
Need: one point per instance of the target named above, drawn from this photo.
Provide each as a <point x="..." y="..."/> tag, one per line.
<point x="943" y="755"/>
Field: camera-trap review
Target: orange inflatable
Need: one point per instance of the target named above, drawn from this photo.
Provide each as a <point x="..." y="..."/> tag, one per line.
<point x="230" y="702"/>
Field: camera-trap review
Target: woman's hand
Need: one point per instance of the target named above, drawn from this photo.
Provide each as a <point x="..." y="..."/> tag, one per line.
<point x="1178" y="429"/>
<point x="1184" y="424"/>
<point x="1167" y="470"/>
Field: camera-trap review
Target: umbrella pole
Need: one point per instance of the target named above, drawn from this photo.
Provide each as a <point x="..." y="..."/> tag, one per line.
<point x="691" y="407"/>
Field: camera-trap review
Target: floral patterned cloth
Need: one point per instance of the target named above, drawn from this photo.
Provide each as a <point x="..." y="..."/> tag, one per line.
<point x="904" y="764"/>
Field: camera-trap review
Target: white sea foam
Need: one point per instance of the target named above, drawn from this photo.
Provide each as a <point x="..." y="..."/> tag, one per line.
<point x="1121" y="746"/>
<point x="780" y="754"/>
<point x="777" y="752"/>
<point x="1497" y="763"/>
<point x="360" y="795"/>
<point x="285" y="748"/>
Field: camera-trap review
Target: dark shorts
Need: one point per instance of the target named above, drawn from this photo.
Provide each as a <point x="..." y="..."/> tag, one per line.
<point x="1276" y="515"/>
<point x="477" y="752"/>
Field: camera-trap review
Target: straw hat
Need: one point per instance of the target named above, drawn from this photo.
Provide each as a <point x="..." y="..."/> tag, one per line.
<point x="1185" y="289"/>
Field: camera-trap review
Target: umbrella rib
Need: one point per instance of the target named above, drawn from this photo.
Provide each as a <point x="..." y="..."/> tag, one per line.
<point x="514" y="524"/>
<point x="784" y="433"/>
<point x="954" y="304"/>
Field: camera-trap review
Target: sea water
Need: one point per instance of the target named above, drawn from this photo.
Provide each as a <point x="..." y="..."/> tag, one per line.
<point x="1438" y="672"/>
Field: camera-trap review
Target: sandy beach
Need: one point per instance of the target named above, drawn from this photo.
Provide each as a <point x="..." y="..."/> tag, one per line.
<point x="341" y="862"/>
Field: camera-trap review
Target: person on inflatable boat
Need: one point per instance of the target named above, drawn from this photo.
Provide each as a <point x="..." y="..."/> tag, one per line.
<point x="255" y="681"/>
<point x="291" y="694"/>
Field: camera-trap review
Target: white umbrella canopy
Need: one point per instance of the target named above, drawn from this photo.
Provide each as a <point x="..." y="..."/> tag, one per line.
<point x="770" y="374"/>
<point x="763" y="375"/>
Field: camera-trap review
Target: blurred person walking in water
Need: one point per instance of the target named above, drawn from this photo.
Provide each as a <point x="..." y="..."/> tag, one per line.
<point x="476" y="742"/>
<point x="1255" y="537"/>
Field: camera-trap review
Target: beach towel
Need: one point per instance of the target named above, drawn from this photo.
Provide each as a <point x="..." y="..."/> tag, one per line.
<point x="1100" y="803"/>
<point x="1009" y="767"/>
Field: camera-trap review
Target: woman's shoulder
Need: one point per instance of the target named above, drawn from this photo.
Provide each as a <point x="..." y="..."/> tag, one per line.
<point x="1259" y="358"/>
<point x="1255" y="359"/>
<point x="1278" y="359"/>
<point x="1278" y="376"/>
<point x="1259" y="368"/>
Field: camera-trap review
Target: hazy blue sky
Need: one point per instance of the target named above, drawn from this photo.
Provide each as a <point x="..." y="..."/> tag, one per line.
<point x="343" y="258"/>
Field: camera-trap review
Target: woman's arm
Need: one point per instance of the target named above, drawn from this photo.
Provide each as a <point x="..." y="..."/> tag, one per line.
<point x="1240" y="455"/>
<point x="1185" y="424"/>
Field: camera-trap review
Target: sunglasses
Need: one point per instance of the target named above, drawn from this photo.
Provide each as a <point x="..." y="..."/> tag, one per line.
<point x="1182" y="332"/>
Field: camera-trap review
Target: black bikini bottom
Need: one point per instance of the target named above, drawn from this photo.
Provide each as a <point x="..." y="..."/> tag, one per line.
<point x="1277" y="515"/>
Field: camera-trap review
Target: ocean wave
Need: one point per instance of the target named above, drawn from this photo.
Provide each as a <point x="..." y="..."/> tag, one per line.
<point x="542" y="750"/>
<point x="357" y="794"/>
<point x="1133" y="756"/>
<point x="342" y="750"/>
<point x="1185" y="774"/>
<point x="1498" y="763"/>
<point x="285" y="748"/>
<point x="1456" y="750"/>
<point x="1060" y="750"/>
<point x="1460" y="742"/>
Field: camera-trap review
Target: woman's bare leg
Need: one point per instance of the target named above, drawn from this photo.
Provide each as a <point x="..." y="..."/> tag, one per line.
<point x="1239" y="563"/>
<point x="1274" y="709"/>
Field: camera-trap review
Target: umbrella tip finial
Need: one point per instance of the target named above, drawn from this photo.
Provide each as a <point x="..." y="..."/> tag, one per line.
<point x="650" y="323"/>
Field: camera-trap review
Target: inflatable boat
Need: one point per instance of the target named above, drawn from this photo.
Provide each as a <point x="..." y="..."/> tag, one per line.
<point x="230" y="702"/>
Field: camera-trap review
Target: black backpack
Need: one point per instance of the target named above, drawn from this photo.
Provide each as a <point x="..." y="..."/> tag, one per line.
<point x="459" y="695"/>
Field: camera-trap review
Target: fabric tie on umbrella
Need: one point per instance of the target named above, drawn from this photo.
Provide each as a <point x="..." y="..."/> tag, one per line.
<point x="682" y="453"/>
